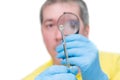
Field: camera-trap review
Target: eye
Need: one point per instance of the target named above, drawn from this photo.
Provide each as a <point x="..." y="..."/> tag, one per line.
<point x="49" y="25"/>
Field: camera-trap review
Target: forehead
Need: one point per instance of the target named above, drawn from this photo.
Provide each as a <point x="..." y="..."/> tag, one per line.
<point x="54" y="11"/>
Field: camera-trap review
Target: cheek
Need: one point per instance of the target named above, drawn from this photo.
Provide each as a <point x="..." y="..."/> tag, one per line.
<point x="49" y="39"/>
<point x="81" y="30"/>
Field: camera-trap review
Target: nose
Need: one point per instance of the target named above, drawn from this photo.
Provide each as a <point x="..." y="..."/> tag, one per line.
<point x="58" y="35"/>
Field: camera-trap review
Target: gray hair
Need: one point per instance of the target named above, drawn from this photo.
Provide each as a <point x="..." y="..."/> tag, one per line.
<point x="82" y="5"/>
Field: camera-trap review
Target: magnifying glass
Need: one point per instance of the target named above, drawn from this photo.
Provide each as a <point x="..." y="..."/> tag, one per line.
<point x="68" y="23"/>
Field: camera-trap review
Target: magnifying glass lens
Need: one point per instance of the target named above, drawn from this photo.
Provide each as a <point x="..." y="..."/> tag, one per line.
<point x="70" y="23"/>
<point x="71" y="27"/>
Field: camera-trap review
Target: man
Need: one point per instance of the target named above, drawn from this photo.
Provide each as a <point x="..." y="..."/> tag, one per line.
<point x="87" y="63"/>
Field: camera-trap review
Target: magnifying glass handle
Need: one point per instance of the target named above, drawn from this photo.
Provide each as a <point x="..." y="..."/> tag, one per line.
<point x="61" y="27"/>
<point x="66" y="55"/>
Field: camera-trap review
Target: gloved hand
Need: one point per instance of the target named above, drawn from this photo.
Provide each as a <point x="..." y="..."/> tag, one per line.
<point x="84" y="54"/>
<point x="58" y="72"/>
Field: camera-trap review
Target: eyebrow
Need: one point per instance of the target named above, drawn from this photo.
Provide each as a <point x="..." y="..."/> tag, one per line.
<point x="48" y="20"/>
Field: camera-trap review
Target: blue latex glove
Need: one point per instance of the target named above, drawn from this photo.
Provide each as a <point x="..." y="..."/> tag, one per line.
<point x="58" y="72"/>
<point x="84" y="54"/>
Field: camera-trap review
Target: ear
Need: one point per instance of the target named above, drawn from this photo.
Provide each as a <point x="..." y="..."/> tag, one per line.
<point x="86" y="31"/>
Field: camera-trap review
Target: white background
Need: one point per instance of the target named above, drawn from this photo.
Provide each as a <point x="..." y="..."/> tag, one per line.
<point x="21" y="46"/>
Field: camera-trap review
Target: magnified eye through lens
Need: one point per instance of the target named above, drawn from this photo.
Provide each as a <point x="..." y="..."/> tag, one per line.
<point x="71" y="27"/>
<point x="70" y="23"/>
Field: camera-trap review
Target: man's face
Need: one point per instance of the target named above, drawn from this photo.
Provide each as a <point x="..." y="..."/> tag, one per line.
<point x="51" y="34"/>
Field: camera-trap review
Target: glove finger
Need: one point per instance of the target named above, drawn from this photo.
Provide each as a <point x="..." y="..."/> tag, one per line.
<point x="82" y="62"/>
<point x="64" y="76"/>
<point x="72" y="38"/>
<point x="76" y="49"/>
<point x="72" y="44"/>
<point x="73" y="70"/>
<point x="74" y="52"/>
<point x="55" y="69"/>
<point x="75" y="37"/>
